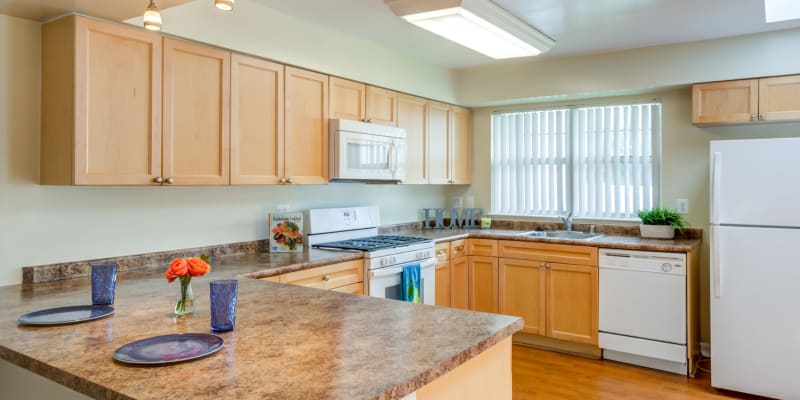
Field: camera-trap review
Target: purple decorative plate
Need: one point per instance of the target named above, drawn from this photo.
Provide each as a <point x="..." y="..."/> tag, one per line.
<point x="65" y="315"/>
<point x="169" y="348"/>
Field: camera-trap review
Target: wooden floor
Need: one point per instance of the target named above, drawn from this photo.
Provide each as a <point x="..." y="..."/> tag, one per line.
<point x="539" y="374"/>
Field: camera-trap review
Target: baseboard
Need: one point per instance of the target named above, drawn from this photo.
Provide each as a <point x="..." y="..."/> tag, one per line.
<point x="705" y="349"/>
<point x="562" y="346"/>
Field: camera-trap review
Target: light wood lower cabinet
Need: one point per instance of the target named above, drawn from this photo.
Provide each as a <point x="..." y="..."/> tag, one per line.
<point x="443" y="283"/>
<point x="342" y="277"/>
<point x="522" y="292"/>
<point x="572" y="303"/>
<point x="483" y="284"/>
<point x="459" y="282"/>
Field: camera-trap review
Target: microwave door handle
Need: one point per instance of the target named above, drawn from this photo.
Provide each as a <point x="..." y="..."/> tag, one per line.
<point x="392" y="158"/>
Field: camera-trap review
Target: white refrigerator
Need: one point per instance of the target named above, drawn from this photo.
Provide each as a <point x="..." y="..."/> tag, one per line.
<point x="755" y="266"/>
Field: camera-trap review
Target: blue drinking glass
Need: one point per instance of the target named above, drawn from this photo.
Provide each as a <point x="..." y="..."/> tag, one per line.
<point x="223" y="304"/>
<point x="104" y="281"/>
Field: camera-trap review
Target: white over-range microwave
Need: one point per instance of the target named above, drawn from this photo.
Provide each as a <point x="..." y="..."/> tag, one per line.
<point x="362" y="151"/>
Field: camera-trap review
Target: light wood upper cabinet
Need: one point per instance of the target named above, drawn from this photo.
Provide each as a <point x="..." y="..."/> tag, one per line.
<point x="522" y="292"/>
<point x="438" y="142"/>
<point x="381" y="106"/>
<point x="748" y="100"/>
<point x="461" y="148"/>
<point x="257" y="130"/>
<point x="779" y="98"/>
<point x="459" y="282"/>
<point x="412" y="116"/>
<point x="101" y="104"/>
<point x="720" y="102"/>
<point x="196" y="114"/>
<point x="483" y="284"/>
<point x="348" y="99"/>
<point x="572" y="303"/>
<point x="306" y="124"/>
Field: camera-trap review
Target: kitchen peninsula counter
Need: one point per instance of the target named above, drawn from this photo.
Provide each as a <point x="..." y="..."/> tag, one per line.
<point x="290" y="342"/>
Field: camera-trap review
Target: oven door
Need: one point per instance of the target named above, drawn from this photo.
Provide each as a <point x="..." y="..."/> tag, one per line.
<point x="386" y="282"/>
<point x="361" y="156"/>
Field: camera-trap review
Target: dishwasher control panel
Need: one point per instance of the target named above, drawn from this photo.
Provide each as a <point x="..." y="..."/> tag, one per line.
<point x="644" y="261"/>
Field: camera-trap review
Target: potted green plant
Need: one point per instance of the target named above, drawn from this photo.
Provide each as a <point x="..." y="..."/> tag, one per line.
<point x="660" y="223"/>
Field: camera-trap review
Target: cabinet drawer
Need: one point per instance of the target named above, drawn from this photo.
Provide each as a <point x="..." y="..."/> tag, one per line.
<point x="560" y="253"/>
<point x="355" y="288"/>
<point x="329" y="276"/>
<point x="442" y="252"/>
<point x="457" y="248"/>
<point x="482" y="247"/>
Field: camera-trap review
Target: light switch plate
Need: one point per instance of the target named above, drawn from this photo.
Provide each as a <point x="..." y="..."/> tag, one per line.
<point x="682" y="206"/>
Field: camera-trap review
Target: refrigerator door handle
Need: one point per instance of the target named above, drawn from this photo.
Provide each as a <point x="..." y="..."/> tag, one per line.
<point x="716" y="177"/>
<point x="716" y="263"/>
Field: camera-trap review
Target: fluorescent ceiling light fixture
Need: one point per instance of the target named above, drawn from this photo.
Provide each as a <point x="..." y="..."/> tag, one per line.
<point x="224" y="5"/>
<point x="781" y="10"/>
<point x="477" y="24"/>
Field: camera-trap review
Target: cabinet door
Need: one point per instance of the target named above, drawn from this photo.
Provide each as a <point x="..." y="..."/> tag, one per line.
<point x="522" y="292"/>
<point x="483" y="284"/>
<point x="482" y="247"/>
<point x="572" y="303"/>
<point x="779" y="98"/>
<point x="725" y="102"/>
<point x="381" y="106"/>
<point x="438" y="138"/>
<point x="118" y="98"/>
<point x="348" y="99"/>
<point x="411" y="116"/>
<point x="306" y="138"/>
<point x="443" y="283"/>
<point x="459" y="283"/>
<point x="256" y="121"/>
<point x="196" y="114"/>
<point x="461" y="146"/>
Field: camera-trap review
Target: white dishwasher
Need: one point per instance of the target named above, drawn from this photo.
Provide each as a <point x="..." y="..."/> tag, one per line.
<point x="643" y="308"/>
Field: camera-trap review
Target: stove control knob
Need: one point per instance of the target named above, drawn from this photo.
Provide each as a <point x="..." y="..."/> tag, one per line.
<point x="394" y="260"/>
<point x="666" y="267"/>
<point x="383" y="262"/>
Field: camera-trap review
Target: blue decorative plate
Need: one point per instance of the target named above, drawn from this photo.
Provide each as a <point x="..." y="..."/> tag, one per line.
<point x="66" y="315"/>
<point x="169" y="348"/>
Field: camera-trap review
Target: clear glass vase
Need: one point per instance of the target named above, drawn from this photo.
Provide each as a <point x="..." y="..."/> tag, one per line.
<point x="185" y="303"/>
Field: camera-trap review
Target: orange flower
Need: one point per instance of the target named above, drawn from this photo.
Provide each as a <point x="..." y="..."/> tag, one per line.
<point x="177" y="268"/>
<point x="197" y="266"/>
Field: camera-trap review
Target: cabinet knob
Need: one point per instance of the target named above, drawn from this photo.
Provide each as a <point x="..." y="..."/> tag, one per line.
<point x="440" y="252"/>
<point x="288" y="180"/>
<point x="283" y="180"/>
<point x="158" y="180"/>
<point x="762" y="117"/>
<point x="753" y="117"/>
<point x="326" y="278"/>
<point x="170" y="180"/>
<point x="459" y="248"/>
<point x="541" y="265"/>
<point x="453" y="181"/>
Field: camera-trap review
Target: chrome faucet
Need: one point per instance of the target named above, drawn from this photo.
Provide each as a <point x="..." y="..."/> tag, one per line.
<point x="567" y="220"/>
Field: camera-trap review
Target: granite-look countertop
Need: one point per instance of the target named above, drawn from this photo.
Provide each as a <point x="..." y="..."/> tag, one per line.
<point x="290" y="342"/>
<point x="605" y="241"/>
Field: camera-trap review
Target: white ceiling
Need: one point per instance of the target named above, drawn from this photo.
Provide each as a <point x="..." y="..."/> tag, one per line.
<point x="578" y="26"/>
<point x="42" y="10"/>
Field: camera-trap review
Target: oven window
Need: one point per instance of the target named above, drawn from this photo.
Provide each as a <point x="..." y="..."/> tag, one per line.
<point x="369" y="156"/>
<point x="395" y="292"/>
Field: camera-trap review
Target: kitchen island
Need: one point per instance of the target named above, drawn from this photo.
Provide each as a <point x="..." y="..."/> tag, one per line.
<point x="290" y="342"/>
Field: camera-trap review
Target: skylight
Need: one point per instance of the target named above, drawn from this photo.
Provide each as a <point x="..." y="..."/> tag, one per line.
<point x="781" y="10"/>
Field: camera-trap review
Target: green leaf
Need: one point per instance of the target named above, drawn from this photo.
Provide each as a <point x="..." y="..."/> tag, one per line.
<point x="662" y="216"/>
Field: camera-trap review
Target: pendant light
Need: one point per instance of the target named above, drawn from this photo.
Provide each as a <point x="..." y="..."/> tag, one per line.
<point x="224" y="5"/>
<point x="152" y="18"/>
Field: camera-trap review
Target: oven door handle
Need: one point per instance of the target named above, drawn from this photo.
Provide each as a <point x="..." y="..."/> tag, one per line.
<point x="396" y="270"/>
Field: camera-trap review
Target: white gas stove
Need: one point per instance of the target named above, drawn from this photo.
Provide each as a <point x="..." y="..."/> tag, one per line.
<point x="356" y="229"/>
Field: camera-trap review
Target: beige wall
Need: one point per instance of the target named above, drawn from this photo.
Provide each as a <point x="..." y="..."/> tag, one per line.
<point x="685" y="164"/>
<point x="634" y="70"/>
<point x="44" y="224"/>
<point x="263" y="31"/>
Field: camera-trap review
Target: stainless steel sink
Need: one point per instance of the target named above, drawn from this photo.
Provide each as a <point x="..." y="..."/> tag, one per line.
<point x="574" y="235"/>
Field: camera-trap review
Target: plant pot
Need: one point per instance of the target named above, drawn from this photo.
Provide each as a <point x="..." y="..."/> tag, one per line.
<point x="657" y="231"/>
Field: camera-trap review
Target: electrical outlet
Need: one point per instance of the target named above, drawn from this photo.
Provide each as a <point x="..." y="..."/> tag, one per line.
<point x="682" y="205"/>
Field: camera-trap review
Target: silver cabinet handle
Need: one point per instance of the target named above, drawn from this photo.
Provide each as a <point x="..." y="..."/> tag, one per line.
<point x="762" y="117"/>
<point x="326" y="278"/>
<point x="158" y="180"/>
<point x="753" y="117"/>
<point x="170" y="180"/>
<point x="288" y="180"/>
<point x="283" y="180"/>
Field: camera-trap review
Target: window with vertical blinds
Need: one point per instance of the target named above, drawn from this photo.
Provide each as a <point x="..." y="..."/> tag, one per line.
<point x="596" y="162"/>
